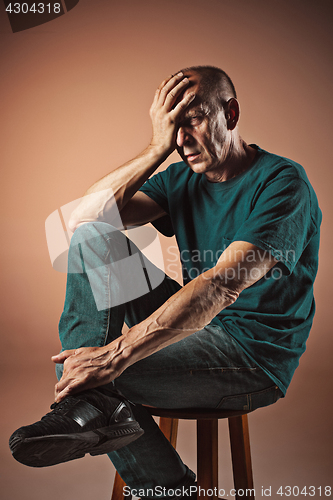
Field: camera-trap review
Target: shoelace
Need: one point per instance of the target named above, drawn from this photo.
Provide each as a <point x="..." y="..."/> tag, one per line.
<point x="56" y="407"/>
<point x="69" y="401"/>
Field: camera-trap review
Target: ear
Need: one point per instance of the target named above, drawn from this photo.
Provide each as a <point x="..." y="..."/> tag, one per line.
<point x="232" y="112"/>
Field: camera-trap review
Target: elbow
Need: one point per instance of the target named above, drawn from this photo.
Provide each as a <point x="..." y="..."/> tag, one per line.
<point x="77" y="218"/>
<point x="221" y="293"/>
<point x="231" y="294"/>
<point x="228" y="291"/>
<point x="73" y="224"/>
<point x="229" y="284"/>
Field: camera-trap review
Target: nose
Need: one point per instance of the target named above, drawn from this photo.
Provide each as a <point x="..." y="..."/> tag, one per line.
<point x="183" y="137"/>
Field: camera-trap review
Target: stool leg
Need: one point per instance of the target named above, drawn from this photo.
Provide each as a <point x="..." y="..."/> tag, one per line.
<point x="118" y="491"/>
<point x="169" y="427"/>
<point x="207" y="457"/>
<point x="241" y="457"/>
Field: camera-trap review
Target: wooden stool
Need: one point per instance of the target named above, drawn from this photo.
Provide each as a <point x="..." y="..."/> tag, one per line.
<point x="207" y="452"/>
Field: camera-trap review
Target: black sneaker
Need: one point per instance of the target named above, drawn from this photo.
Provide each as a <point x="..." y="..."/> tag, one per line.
<point x="89" y="422"/>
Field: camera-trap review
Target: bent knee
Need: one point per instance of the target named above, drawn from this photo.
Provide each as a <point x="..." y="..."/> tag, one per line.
<point x="89" y="230"/>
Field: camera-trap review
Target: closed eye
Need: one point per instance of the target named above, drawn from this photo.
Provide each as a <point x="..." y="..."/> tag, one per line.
<point x="196" y="120"/>
<point x="192" y="121"/>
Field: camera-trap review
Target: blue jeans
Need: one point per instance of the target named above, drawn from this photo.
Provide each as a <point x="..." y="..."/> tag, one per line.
<point x="207" y="369"/>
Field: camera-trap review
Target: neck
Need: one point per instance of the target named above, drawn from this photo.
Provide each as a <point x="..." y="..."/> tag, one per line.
<point x="238" y="159"/>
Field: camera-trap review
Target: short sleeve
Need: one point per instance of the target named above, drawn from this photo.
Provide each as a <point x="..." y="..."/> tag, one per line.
<point x="280" y="220"/>
<point x="156" y="189"/>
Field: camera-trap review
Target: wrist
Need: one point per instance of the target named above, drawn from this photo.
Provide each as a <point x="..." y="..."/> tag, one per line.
<point x="119" y="354"/>
<point x="159" y="152"/>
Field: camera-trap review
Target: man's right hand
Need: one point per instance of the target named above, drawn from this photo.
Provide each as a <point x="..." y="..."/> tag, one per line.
<point x="166" y="111"/>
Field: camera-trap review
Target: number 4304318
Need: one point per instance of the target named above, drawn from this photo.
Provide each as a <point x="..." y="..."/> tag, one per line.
<point x="310" y="491"/>
<point x="35" y="8"/>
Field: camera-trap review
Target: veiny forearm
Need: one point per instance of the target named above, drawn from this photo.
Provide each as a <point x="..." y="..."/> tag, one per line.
<point x="186" y="312"/>
<point x="196" y="304"/>
<point x="110" y="194"/>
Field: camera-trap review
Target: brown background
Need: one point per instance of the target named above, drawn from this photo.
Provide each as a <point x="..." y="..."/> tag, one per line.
<point x="75" y="95"/>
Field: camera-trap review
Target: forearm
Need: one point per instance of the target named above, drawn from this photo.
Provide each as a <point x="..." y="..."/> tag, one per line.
<point x="186" y="312"/>
<point x="196" y="304"/>
<point x="109" y="195"/>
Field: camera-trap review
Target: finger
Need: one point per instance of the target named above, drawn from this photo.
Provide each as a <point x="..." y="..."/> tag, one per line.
<point x="169" y="85"/>
<point x="156" y="96"/>
<point x="67" y="382"/>
<point x="66" y="391"/>
<point x="161" y="85"/>
<point x="73" y="386"/>
<point x="183" y="104"/>
<point x="62" y="356"/>
<point x="157" y="91"/>
<point x="62" y="383"/>
<point x="175" y="93"/>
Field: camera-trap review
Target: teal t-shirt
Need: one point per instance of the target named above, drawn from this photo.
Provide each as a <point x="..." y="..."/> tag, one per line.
<point x="272" y="205"/>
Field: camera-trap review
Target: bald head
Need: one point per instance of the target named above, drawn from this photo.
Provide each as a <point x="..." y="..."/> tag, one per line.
<point x="215" y="86"/>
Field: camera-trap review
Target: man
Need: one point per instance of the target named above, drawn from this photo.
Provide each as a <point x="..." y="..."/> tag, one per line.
<point x="230" y="338"/>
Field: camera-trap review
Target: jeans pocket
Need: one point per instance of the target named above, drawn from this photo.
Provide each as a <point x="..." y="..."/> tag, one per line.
<point x="252" y="400"/>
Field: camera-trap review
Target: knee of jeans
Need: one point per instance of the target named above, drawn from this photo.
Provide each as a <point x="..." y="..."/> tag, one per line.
<point x="90" y="230"/>
<point x="96" y="244"/>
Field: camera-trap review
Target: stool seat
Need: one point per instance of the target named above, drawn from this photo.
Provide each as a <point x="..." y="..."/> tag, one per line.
<point x="194" y="413"/>
<point x="207" y="449"/>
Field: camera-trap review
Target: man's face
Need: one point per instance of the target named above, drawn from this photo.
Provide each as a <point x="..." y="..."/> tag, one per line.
<point x="202" y="137"/>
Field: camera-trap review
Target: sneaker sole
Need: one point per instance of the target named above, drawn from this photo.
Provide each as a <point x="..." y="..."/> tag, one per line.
<point x="43" y="451"/>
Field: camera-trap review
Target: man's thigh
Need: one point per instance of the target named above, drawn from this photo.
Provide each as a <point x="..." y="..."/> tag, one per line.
<point x="208" y="369"/>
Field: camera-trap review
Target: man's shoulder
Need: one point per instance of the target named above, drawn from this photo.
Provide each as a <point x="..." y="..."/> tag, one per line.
<point x="280" y="172"/>
<point x="274" y="164"/>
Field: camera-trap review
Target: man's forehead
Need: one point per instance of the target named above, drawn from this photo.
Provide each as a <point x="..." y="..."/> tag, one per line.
<point x="194" y="79"/>
<point x="193" y="109"/>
